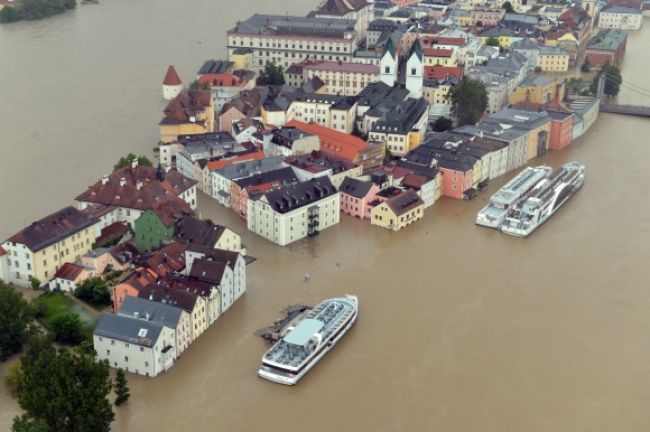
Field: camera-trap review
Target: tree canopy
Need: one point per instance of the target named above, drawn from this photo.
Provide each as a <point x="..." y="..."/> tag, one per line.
<point x="15" y="316"/>
<point x="121" y="388"/>
<point x="126" y="160"/>
<point x="613" y="80"/>
<point x="64" y="390"/>
<point x="271" y="75"/>
<point x="493" y="41"/>
<point x="508" y="7"/>
<point x="35" y="9"/>
<point x="442" y="124"/>
<point x="469" y="100"/>
<point x="93" y="291"/>
<point x="67" y="328"/>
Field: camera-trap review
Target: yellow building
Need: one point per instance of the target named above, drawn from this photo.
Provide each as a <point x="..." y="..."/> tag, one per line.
<point x="554" y="39"/>
<point x="535" y="89"/>
<point x="440" y="57"/>
<point x="504" y="35"/>
<point x="242" y="58"/>
<point x="189" y="113"/>
<point x="398" y="212"/>
<point x="40" y="250"/>
<point x="553" y="59"/>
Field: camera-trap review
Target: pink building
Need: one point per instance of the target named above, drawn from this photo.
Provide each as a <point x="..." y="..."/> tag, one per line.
<point x="457" y="178"/>
<point x="356" y="196"/>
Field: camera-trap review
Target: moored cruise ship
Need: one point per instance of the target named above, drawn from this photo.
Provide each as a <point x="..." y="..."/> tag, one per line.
<point x="304" y="345"/>
<point x="544" y="200"/>
<point x="509" y="195"/>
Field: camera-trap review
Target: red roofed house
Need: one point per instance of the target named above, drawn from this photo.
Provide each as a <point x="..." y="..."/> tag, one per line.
<point x="190" y="112"/>
<point x="440" y="57"/>
<point x="225" y="86"/>
<point x="132" y="285"/>
<point x="69" y="277"/>
<point x="344" y="146"/>
<point x="172" y="84"/>
<point x="135" y="188"/>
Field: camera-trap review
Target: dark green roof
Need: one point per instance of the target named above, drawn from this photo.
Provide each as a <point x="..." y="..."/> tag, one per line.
<point x="416" y="49"/>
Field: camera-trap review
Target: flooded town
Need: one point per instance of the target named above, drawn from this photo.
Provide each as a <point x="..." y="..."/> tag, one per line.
<point x="459" y="327"/>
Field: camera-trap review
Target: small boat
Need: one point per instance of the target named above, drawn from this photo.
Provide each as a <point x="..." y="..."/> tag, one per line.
<point x="304" y="345"/>
<point x="544" y="200"/>
<point x="509" y="195"/>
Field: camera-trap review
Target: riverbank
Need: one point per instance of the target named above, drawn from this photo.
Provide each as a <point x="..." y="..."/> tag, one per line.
<point x="32" y="10"/>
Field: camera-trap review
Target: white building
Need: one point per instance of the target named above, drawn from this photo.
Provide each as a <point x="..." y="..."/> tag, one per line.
<point x="290" y="141"/>
<point x="172" y="84"/>
<point x="294" y="212"/>
<point x="137" y="346"/>
<point x="167" y="315"/>
<point x="340" y="78"/>
<point x="619" y="17"/>
<point x="235" y="261"/>
<point x="285" y="40"/>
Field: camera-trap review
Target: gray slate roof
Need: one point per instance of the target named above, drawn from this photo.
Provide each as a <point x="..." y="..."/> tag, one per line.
<point x="148" y="310"/>
<point x="130" y="330"/>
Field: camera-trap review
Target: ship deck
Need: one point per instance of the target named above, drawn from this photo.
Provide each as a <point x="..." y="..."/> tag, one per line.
<point x="299" y="343"/>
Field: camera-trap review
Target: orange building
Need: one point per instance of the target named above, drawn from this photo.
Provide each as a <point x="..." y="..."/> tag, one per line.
<point x="132" y="285"/>
<point x="344" y="146"/>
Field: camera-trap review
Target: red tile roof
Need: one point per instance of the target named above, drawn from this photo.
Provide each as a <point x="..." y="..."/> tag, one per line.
<point x="333" y="143"/>
<point x="169" y="258"/>
<point x="172" y="209"/>
<point x="414" y="181"/>
<point x="344" y="67"/>
<point x="187" y="104"/>
<point x="137" y="188"/>
<point x="111" y="232"/>
<point x="2" y="251"/>
<point x="437" y="52"/>
<point x="443" y="72"/>
<point x="222" y="163"/>
<point x="441" y="40"/>
<point x="221" y="80"/>
<point x="171" y="77"/>
<point x="404" y="202"/>
<point x="69" y="271"/>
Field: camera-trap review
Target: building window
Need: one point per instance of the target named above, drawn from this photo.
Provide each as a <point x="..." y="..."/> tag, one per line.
<point x="126" y="358"/>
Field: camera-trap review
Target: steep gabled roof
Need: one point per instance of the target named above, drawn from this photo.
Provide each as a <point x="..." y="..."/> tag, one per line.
<point x="171" y="77"/>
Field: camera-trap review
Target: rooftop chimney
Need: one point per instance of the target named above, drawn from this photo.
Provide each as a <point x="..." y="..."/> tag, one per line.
<point x="122" y="182"/>
<point x="105" y="180"/>
<point x="138" y="185"/>
<point x="134" y="163"/>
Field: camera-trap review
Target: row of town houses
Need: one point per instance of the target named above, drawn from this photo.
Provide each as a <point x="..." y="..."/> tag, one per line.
<point x="180" y="273"/>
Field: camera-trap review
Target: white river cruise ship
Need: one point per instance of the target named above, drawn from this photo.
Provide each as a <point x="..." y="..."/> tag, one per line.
<point x="304" y="345"/>
<point x="544" y="200"/>
<point x="510" y="194"/>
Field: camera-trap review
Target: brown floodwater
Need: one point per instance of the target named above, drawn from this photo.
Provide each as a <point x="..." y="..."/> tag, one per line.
<point x="460" y="328"/>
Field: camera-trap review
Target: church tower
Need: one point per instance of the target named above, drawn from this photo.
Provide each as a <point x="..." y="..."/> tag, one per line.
<point x="415" y="70"/>
<point x="388" y="64"/>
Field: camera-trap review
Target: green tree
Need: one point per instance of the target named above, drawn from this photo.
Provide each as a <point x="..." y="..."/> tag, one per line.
<point x="121" y="388"/>
<point x="10" y="14"/>
<point x="493" y="41"/>
<point x="11" y="379"/>
<point x="126" y="160"/>
<point x="271" y="75"/>
<point x="508" y="7"/>
<point x="35" y="283"/>
<point x="613" y="80"/>
<point x="15" y="315"/>
<point x="25" y="424"/>
<point x="93" y="291"/>
<point x="442" y="124"/>
<point x="67" y="391"/>
<point x="469" y="100"/>
<point x="66" y="328"/>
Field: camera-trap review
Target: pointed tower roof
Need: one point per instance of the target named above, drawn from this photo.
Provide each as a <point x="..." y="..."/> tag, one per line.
<point x="171" y="77"/>
<point x="389" y="47"/>
<point x="416" y="49"/>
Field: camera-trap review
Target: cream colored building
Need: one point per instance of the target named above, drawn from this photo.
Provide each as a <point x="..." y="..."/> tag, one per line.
<point x="39" y="250"/>
<point x="346" y="79"/>
<point x="334" y="112"/>
<point x="553" y="59"/>
<point x="398" y="212"/>
<point x="619" y="17"/>
<point x="292" y="213"/>
<point x="285" y="40"/>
